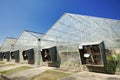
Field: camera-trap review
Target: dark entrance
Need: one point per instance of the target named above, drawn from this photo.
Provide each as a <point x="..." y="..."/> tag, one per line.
<point x="93" y="56"/>
<point x="12" y="55"/>
<point x="1" y="57"/>
<point x="24" y="53"/>
<point x="29" y="56"/>
<point x="90" y="54"/>
<point x="6" y="55"/>
<point x="50" y="55"/>
<point x="15" y="55"/>
<point x="45" y="55"/>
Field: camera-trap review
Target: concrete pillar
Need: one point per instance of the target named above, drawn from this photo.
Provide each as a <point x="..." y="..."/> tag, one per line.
<point x="21" y="57"/>
<point x="38" y="52"/>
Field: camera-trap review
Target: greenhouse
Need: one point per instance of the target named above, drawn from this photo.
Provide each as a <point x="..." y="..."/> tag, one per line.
<point x="28" y="47"/>
<point x="74" y="33"/>
<point x="74" y="41"/>
<point x="6" y="48"/>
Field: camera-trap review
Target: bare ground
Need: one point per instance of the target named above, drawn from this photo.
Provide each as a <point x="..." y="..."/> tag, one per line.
<point x="84" y="75"/>
<point x="27" y="74"/>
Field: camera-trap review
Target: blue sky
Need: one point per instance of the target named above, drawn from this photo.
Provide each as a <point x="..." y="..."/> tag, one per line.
<point x="40" y="15"/>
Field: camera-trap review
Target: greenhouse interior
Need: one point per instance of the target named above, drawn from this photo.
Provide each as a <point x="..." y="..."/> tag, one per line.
<point x="74" y="41"/>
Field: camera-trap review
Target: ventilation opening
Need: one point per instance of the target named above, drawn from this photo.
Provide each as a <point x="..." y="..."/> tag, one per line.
<point x="15" y="55"/>
<point x="90" y="54"/>
<point x="50" y="55"/>
<point x="12" y="55"/>
<point x="1" y="56"/>
<point x="45" y="55"/>
<point x="24" y="53"/>
<point x="29" y="56"/>
<point x="6" y="55"/>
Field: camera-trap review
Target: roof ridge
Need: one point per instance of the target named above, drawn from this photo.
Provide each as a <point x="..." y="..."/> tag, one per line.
<point x="11" y="38"/>
<point x="67" y="13"/>
<point x="33" y="32"/>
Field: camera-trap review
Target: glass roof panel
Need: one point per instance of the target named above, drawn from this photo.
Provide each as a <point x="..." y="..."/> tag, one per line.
<point x="73" y="27"/>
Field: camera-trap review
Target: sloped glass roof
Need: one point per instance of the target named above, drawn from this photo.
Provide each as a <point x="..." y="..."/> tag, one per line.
<point x="80" y="28"/>
<point x="8" y="43"/>
<point x="36" y="34"/>
<point x="27" y="40"/>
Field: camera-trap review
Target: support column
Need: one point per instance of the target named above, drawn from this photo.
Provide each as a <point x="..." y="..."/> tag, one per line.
<point x="38" y="52"/>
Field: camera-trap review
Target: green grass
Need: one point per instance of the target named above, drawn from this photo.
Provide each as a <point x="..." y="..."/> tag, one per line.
<point x="50" y="75"/>
<point x="15" y="69"/>
<point x="2" y="62"/>
<point x="7" y="65"/>
<point x="111" y="63"/>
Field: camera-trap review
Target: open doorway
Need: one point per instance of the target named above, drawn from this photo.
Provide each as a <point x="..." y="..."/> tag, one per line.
<point x="90" y="54"/>
<point x="29" y="56"/>
<point x="45" y="55"/>
<point x="3" y="55"/>
<point x="24" y="53"/>
<point x="6" y="55"/>
<point x="0" y="56"/>
<point x="93" y="54"/>
<point x="12" y="55"/>
<point x="15" y="56"/>
<point x="49" y="55"/>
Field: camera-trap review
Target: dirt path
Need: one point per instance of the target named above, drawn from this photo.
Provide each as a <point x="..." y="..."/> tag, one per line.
<point x="91" y="76"/>
<point x="26" y="74"/>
